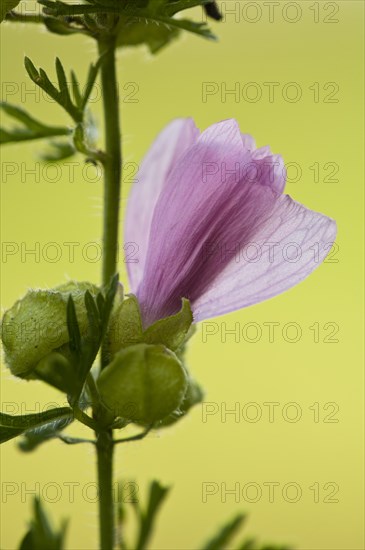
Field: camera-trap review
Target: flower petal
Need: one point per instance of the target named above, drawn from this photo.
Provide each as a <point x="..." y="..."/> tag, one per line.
<point x="285" y="250"/>
<point x="263" y="167"/>
<point x="165" y="152"/>
<point x="202" y="204"/>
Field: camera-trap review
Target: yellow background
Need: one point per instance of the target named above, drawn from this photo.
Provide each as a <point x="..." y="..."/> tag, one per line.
<point x="306" y="372"/>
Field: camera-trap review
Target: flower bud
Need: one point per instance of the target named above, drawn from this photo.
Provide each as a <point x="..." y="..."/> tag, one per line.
<point x="194" y="395"/>
<point x="36" y="326"/>
<point x="144" y="383"/>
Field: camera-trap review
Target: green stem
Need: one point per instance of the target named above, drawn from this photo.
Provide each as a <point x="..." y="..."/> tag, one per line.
<point x="113" y="160"/>
<point x="112" y="189"/>
<point x="104" y="446"/>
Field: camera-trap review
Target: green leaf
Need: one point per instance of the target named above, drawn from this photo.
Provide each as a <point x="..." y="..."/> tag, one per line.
<point x="121" y="513"/>
<point x="32" y="128"/>
<point x="45" y="83"/>
<point x="30" y="68"/>
<point x="76" y="89"/>
<point x="153" y="23"/>
<point x="136" y="33"/>
<point x="62" y="84"/>
<point x="225" y="534"/>
<point x="12" y="426"/>
<point x="171" y="331"/>
<point x="91" y="77"/>
<point x="6" y="6"/>
<point x="61" y="96"/>
<point x="57" y="8"/>
<point x="157" y="494"/>
<point x="41" y="535"/>
<point x="143" y="383"/>
<point x="63" y="27"/>
<point x="249" y="544"/>
<point x="33" y="438"/>
<point x="58" y="151"/>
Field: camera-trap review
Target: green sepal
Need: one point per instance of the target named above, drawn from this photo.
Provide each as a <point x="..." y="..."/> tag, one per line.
<point x="55" y="369"/>
<point x="126" y="328"/>
<point x="144" y="383"/>
<point x="171" y="331"/>
<point x="12" y="426"/>
<point x="41" y="535"/>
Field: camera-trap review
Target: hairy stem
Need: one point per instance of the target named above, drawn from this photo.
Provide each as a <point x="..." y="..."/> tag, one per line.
<point x="104" y="447"/>
<point x="112" y="189"/>
<point x="113" y="160"/>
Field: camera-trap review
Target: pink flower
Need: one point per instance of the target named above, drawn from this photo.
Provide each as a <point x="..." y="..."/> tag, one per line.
<point x="210" y="223"/>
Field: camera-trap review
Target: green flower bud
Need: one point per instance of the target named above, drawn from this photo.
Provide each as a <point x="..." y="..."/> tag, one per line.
<point x="36" y="326"/>
<point x="194" y="395"/>
<point x="144" y="383"/>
